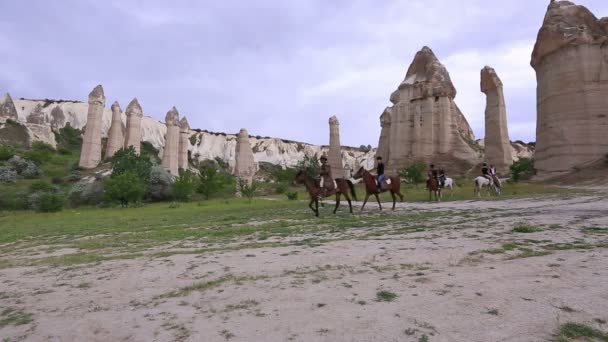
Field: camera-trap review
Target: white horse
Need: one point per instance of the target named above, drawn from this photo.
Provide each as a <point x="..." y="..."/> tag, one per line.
<point x="449" y="184"/>
<point x="482" y="182"/>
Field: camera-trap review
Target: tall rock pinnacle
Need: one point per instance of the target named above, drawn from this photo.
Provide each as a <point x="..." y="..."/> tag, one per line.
<point x="245" y="166"/>
<point x="170" y="152"/>
<point x="184" y="142"/>
<point x="90" y="154"/>
<point x="134" y="115"/>
<point x="115" y="136"/>
<point x="335" y="149"/>
<point x="497" y="143"/>
<point x="7" y="108"/>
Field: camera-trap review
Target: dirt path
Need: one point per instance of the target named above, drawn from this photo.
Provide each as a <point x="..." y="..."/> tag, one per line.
<point x="480" y="282"/>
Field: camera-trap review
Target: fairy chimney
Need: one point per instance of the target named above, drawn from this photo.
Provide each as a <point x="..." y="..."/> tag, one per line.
<point x="383" y="144"/>
<point x="184" y="143"/>
<point x="134" y="115"/>
<point x="244" y="167"/>
<point x="115" y="137"/>
<point x="497" y="144"/>
<point x="335" y="151"/>
<point x="171" y="149"/>
<point x="90" y="154"/>
<point x="37" y="116"/>
<point x="7" y="108"/>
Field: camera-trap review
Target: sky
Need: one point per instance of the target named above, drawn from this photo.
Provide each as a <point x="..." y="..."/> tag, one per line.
<point x="278" y="68"/>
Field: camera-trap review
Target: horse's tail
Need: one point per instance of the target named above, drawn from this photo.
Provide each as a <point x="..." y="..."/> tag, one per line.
<point x="352" y="189"/>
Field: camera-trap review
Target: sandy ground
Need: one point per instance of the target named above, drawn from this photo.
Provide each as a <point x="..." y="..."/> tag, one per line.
<point x="447" y="290"/>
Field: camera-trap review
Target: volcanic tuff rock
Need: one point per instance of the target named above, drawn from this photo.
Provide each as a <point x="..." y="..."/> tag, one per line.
<point x="90" y="154"/>
<point x="335" y="149"/>
<point x="37" y="116"/>
<point x="170" y="151"/>
<point x="245" y="166"/>
<point x="134" y="115"/>
<point x="115" y="136"/>
<point x="383" y="143"/>
<point x="497" y="144"/>
<point x="57" y="118"/>
<point x="571" y="63"/>
<point x="7" y="108"/>
<point x="425" y="123"/>
<point x="184" y="143"/>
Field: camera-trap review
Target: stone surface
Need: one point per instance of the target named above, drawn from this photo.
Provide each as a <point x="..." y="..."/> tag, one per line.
<point x="384" y="143"/>
<point x="245" y="166"/>
<point x="90" y="154"/>
<point x="57" y="118"/>
<point x="171" y="148"/>
<point x="570" y="58"/>
<point x="37" y="116"/>
<point x="7" y="108"/>
<point x="335" y="149"/>
<point x="497" y="143"/>
<point x="134" y="116"/>
<point x="425" y="123"/>
<point x="184" y="143"/>
<point x="116" y="139"/>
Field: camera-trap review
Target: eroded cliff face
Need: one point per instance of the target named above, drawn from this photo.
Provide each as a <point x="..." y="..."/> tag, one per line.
<point x="571" y="63"/>
<point x="424" y="123"/>
<point x="202" y="145"/>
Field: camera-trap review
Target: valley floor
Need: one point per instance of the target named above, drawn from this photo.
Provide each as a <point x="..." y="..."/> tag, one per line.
<point x="508" y="270"/>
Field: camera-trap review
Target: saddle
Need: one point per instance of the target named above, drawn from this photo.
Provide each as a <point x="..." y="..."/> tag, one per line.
<point x="385" y="184"/>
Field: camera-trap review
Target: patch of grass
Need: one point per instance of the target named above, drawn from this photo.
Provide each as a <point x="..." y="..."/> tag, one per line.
<point x="10" y="316"/>
<point x="385" y="296"/>
<point x="423" y="338"/>
<point x="595" y="230"/>
<point x="575" y="331"/>
<point x="202" y="286"/>
<point x="526" y="228"/>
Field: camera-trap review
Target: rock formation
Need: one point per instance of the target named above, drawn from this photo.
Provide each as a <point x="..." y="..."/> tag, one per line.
<point x="383" y="143"/>
<point x="116" y="140"/>
<point x="184" y="143"/>
<point x="245" y="166"/>
<point x="497" y="143"/>
<point x="37" y="116"/>
<point x="7" y="108"/>
<point x="171" y="149"/>
<point x="57" y="118"/>
<point x="90" y="154"/>
<point x="134" y="115"/>
<point x="335" y="149"/>
<point x="571" y="63"/>
<point x="425" y="123"/>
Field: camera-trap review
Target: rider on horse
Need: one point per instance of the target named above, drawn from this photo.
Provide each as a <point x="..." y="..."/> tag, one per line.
<point x="327" y="181"/>
<point x="485" y="172"/>
<point x="432" y="174"/>
<point x="441" y="176"/>
<point x="380" y="172"/>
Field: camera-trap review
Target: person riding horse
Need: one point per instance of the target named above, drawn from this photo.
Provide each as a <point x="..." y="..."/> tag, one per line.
<point x="485" y="172"/>
<point x="327" y="181"/>
<point x="380" y="173"/>
<point x="441" y="176"/>
<point x="432" y="173"/>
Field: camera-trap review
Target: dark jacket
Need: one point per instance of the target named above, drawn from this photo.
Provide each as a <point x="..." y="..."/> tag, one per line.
<point x="380" y="169"/>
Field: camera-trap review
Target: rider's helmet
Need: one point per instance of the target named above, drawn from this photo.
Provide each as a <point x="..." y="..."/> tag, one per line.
<point x="323" y="158"/>
<point x="485" y="164"/>
<point x="378" y="158"/>
<point x="432" y="166"/>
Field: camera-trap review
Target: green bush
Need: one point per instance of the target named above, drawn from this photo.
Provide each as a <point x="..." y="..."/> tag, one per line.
<point x="13" y="201"/>
<point x="41" y="185"/>
<point x="211" y="181"/>
<point x="184" y="186"/>
<point x="522" y="169"/>
<point x="159" y="184"/>
<point x="127" y="160"/>
<point x="285" y="175"/>
<point x="246" y="189"/>
<point x="414" y="173"/>
<point x="124" y="188"/>
<point x="8" y="174"/>
<point x="281" y="187"/>
<point x="6" y="152"/>
<point x="85" y="193"/>
<point x="292" y="195"/>
<point x="49" y="202"/>
<point x="40" y="152"/>
<point x="68" y="139"/>
<point x="310" y="165"/>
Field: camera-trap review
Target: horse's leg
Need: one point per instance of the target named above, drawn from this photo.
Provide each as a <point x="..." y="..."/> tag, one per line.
<point x="378" y="199"/>
<point x="337" y="201"/>
<point x="430" y="194"/>
<point x="310" y="205"/>
<point x="317" y="206"/>
<point x="394" y="199"/>
<point x="350" y="206"/>
<point x="365" y="201"/>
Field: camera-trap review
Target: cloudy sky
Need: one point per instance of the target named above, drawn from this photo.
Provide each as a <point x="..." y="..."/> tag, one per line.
<point x="276" y="67"/>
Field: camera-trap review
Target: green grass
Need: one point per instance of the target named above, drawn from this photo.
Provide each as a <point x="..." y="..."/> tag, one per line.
<point x="385" y="296"/>
<point x="526" y="228"/>
<point x="575" y="331"/>
<point x="10" y="316"/>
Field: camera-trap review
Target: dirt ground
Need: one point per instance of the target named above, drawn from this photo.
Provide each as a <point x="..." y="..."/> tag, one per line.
<point x="454" y="282"/>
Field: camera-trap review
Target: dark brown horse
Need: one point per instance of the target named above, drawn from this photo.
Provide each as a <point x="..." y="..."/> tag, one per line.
<point x="433" y="185"/>
<point x="372" y="189"/>
<point x="344" y="186"/>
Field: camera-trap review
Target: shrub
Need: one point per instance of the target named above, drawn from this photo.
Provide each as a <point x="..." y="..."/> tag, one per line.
<point x="246" y="189"/>
<point x="68" y="138"/>
<point x="7" y="174"/>
<point x="159" y="184"/>
<point x="40" y="152"/>
<point x="13" y="201"/>
<point x="48" y="202"/>
<point x="6" y="152"/>
<point x="127" y="160"/>
<point x="184" y="186"/>
<point x="211" y="181"/>
<point x="285" y="175"/>
<point x="24" y="167"/>
<point x="522" y="169"/>
<point x="149" y="151"/>
<point x="414" y="173"/>
<point x="85" y="193"/>
<point x="124" y="188"/>
<point x="40" y="185"/>
<point x="74" y="176"/>
<point x="310" y="165"/>
<point x="292" y="195"/>
<point x="281" y="188"/>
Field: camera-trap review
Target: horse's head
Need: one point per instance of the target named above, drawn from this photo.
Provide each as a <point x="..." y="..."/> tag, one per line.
<point x="359" y="173"/>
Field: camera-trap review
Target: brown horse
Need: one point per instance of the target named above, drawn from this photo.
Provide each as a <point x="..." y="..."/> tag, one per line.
<point x="433" y="185"/>
<point x="372" y="189"/>
<point x="315" y="191"/>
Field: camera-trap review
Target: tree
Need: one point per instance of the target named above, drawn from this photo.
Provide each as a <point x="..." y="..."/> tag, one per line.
<point x="126" y="160"/>
<point x="246" y="189"/>
<point x="414" y="173"/>
<point x="211" y="181"/>
<point x="310" y="165"/>
<point x="124" y="188"/>
<point x="184" y="186"/>
<point x="522" y="169"/>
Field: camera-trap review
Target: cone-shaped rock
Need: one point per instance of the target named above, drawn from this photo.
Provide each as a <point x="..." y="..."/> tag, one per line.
<point x="7" y="108"/>
<point x="116" y="140"/>
<point x="383" y="144"/>
<point x="497" y="143"/>
<point x="90" y="154"/>
<point x="134" y="115"/>
<point x="571" y="63"/>
<point x="36" y="116"/>
<point x="171" y="149"/>
<point x="184" y="143"/>
<point x="245" y="164"/>
<point x="335" y="149"/>
<point x="425" y="123"/>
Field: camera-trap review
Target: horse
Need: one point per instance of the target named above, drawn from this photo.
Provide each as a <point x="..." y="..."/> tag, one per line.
<point x="481" y="182"/>
<point x="371" y="189"/>
<point x="434" y="187"/>
<point x="344" y="186"/>
<point x="449" y="184"/>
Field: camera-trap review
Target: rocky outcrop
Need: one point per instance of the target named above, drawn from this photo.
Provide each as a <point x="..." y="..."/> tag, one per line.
<point x="7" y="108"/>
<point x="37" y="116"/>
<point x="184" y="143"/>
<point x="134" y="116"/>
<point x="171" y="148"/>
<point x="245" y="166"/>
<point x="57" y="118"/>
<point x="116" y="139"/>
<point x="90" y="154"/>
<point x="518" y="148"/>
<point x="384" y="143"/>
<point x="335" y="149"/>
<point x="425" y="123"/>
<point x="571" y="63"/>
<point x="497" y="143"/>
